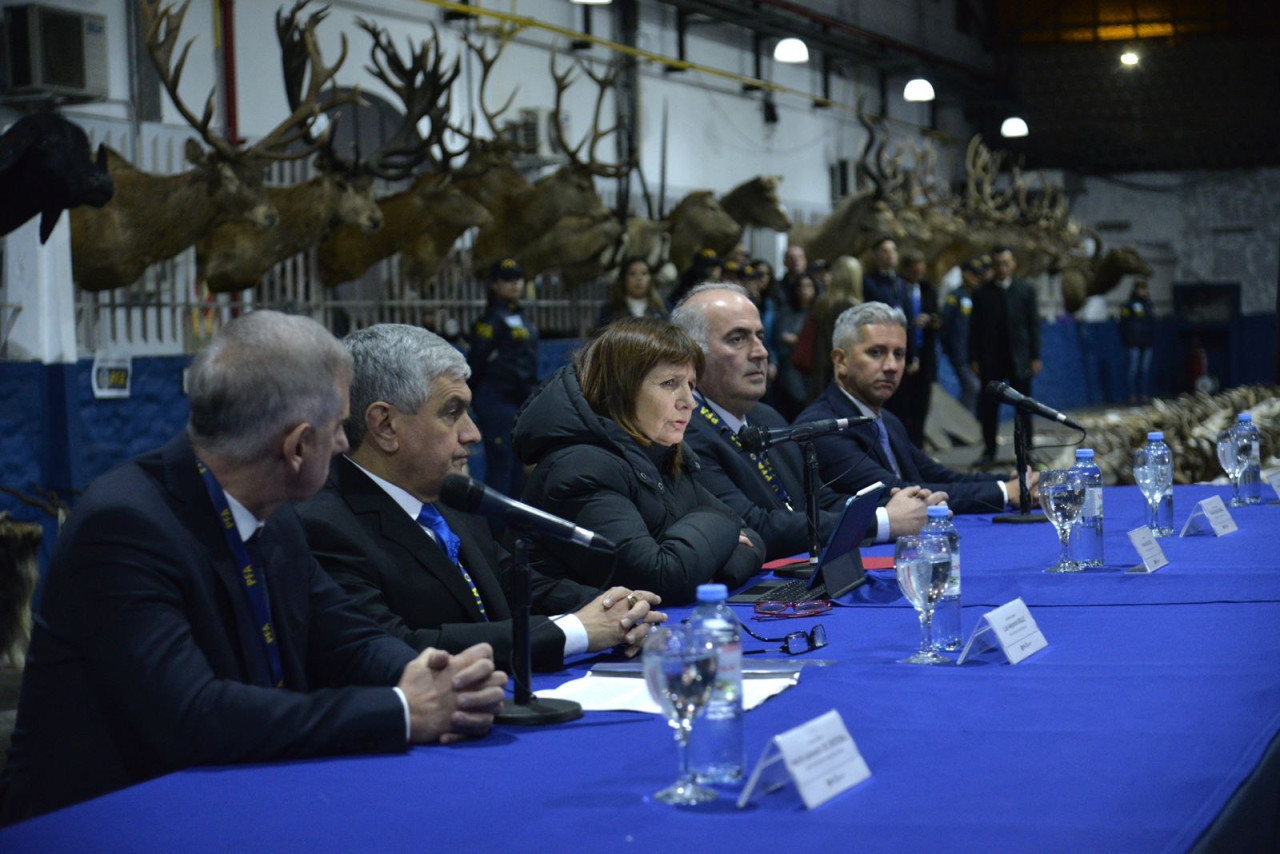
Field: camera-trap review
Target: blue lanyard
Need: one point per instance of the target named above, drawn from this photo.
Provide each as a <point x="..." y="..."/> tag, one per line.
<point x="761" y="459"/>
<point x="254" y="581"/>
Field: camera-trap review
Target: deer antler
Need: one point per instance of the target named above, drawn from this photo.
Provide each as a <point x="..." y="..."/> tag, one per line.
<point x="604" y="82"/>
<point x="487" y="61"/>
<point x="864" y="166"/>
<point x="156" y="19"/>
<point x="423" y="85"/>
<point x="301" y="52"/>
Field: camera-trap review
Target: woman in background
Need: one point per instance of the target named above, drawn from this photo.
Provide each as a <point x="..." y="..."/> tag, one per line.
<point x="632" y="295"/>
<point x="845" y="292"/>
<point x="606" y="436"/>
<point x="790" y="390"/>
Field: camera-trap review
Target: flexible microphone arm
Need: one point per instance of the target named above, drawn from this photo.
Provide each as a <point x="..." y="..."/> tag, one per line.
<point x="1019" y="400"/>
<point x="471" y="496"/>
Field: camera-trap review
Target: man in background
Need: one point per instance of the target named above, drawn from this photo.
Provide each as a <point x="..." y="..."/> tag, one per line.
<point x="1004" y="342"/>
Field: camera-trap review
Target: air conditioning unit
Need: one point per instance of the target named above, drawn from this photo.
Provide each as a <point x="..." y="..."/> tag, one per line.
<point x="55" y="52"/>
<point x="533" y="133"/>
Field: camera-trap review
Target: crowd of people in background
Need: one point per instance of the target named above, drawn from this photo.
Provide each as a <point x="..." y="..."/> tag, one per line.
<point x="798" y="311"/>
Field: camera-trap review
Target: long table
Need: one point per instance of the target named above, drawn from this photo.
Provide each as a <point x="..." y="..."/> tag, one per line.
<point x="1154" y="704"/>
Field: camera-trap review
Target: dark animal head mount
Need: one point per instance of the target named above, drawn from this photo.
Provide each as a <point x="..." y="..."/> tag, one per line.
<point x="46" y="167"/>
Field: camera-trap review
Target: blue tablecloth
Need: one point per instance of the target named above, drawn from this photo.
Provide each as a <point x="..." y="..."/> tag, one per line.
<point x="1130" y="732"/>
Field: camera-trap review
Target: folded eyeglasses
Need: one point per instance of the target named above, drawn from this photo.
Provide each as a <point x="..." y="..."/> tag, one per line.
<point x="794" y="643"/>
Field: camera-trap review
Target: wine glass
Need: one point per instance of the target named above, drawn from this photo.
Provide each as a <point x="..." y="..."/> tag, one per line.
<point x="1153" y="478"/>
<point x="680" y="670"/>
<point x="1062" y="494"/>
<point x="922" y="563"/>
<point x="1234" y="449"/>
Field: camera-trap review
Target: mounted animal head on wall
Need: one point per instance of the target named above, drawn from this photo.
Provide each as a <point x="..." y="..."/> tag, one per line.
<point x="46" y="167"/>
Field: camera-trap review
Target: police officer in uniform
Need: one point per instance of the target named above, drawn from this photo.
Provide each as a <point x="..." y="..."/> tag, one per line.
<point x="504" y="370"/>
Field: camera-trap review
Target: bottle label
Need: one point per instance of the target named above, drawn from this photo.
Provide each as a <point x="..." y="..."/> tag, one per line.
<point x="953" y="583"/>
<point x="728" y="672"/>
<point x="1092" y="502"/>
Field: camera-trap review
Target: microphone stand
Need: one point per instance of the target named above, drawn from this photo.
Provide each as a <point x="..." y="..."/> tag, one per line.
<point x="528" y="710"/>
<point x="811" y="484"/>
<point x="1021" y="453"/>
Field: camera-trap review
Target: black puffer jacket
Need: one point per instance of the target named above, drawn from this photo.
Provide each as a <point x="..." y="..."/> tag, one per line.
<point x="672" y="535"/>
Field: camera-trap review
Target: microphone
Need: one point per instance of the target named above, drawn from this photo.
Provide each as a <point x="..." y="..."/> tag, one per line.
<point x="471" y="496"/>
<point x="1021" y="401"/>
<point x="759" y="438"/>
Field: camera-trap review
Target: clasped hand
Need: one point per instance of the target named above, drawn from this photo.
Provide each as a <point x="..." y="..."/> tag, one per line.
<point x="452" y="697"/>
<point x="620" y="617"/>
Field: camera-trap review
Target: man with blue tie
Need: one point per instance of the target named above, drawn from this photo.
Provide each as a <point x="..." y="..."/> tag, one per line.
<point x="429" y="574"/>
<point x="869" y="356"/>
<point x="175" y="630"/>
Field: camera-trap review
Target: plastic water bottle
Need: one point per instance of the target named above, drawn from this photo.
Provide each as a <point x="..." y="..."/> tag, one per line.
<point x="946" y="616"/>
<point x="1162" y="525"/>
<point x="1251" y="479"/>
<point x="716" y="749"/>
<point x="1085" y="543"/>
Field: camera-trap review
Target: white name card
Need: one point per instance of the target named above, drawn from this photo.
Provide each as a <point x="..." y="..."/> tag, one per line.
<point x="1210" y="517"/>
<point x="1274" y="482"/>
<point x="1148" y="549"/>
<point x="820" y="757"/>
<point x="1009" y="627"/>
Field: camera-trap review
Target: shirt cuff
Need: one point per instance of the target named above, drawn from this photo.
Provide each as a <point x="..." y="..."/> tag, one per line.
<point x="575" y="634"/>
<point x="1004" y="490"/>
<point x="404" y="701"/>
<point x="882" y="525"/>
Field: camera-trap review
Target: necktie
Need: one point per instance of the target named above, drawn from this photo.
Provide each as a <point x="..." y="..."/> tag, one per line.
<point x="915" y="312"/>
<point x="429" y="517"/>
<point x="884" y="446"/>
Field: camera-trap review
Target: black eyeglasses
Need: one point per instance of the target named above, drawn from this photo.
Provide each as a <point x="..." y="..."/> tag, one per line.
<point x="794" y="643"/>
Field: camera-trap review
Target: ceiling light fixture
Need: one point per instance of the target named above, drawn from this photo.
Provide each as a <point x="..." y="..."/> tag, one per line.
<point x="1129" y="58"/>
<point x="592" y="2"/>
<point x="1013" y="127"/>
<point x="791" y="50"/>
<point x="918" y="89"/>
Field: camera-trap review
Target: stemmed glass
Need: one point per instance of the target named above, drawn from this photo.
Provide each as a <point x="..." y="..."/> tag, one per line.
<point x="1062" y="499"/>
<point x="680" y="670"/>
<point x="923" y="566"/>
<point x="1234" y="449"/>
<point x="1153" y="478"/>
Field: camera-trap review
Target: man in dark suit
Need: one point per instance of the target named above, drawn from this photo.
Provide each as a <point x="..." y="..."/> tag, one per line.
<point x="765" y="488"/>
<point x="1004" y="341"/>
<point x="378" y="531"/>
<point x="911" y="403"/>
<point x="174" y="632"/>
<point x="869" y="355"/>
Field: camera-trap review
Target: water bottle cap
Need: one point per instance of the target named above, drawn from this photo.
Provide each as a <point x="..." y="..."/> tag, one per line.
<point x="712" y="592"/>
<point x="1155" y="436"/>
<point x="1245" y="417"/>
<point x="938" y="511"/>
<point x="1084" y="453"/>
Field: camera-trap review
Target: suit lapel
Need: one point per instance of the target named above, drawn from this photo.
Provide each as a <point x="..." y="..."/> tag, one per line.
<point x="842" y="407"/>
<point x="195" y="508"/>
<point x="367" y="500"/>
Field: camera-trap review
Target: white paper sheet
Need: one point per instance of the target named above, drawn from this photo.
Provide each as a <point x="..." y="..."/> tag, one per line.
<point x="598" y="693"/>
